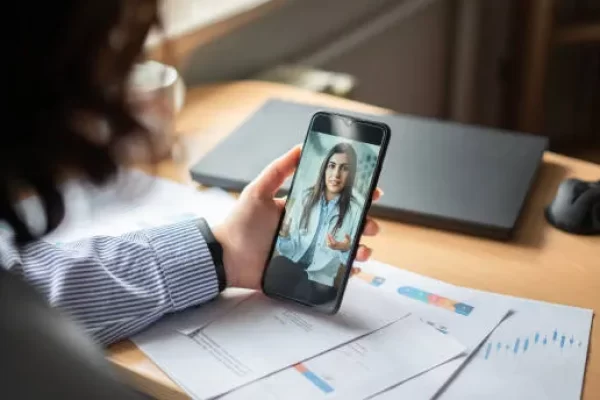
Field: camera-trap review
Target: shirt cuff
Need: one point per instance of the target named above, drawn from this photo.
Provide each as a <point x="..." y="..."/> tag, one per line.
<point x="186" y="263"/>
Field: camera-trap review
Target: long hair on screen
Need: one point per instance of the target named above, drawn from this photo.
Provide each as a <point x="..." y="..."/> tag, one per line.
<point x="318" y="189"/>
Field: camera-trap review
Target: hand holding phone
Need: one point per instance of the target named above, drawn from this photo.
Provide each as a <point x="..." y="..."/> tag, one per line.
<point x="339" y="167"/>
<point x="246" y="235"/>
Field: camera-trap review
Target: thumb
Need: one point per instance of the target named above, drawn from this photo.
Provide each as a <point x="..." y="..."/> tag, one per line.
<point x="347" y="237"/>
<point x="272" y="177"/>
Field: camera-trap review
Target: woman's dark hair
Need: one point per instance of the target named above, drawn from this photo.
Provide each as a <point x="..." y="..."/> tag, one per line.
<point x="66" y="94"/>
<point x="317" y="190"/>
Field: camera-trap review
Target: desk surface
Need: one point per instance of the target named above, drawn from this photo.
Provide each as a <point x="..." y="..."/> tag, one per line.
<point x="540" y="263"/>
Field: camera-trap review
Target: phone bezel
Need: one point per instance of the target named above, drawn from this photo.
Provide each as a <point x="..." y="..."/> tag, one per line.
<point x="366" y="127"/>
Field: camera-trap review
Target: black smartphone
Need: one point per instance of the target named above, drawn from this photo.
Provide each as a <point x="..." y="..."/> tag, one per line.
<point x="325" y="212"/>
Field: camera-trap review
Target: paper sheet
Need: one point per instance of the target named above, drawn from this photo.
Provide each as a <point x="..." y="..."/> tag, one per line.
<point x="460" y="313"/>
<point x="262" y="336"/>
<point x="469" y="319"/>
<point x="196" y="318"/>
<point x="358" y="369"/>
<point x="134" y="201"/>
<point x="538" y="352"/>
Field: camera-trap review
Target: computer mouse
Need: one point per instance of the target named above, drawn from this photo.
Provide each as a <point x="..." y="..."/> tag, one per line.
<point x="576" y="207"/>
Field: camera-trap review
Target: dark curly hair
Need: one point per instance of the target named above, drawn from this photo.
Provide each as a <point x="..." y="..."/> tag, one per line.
<point x="68" y="112"/>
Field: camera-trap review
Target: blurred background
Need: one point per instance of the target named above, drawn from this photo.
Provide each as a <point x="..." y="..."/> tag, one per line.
<point x="527" y="65"/>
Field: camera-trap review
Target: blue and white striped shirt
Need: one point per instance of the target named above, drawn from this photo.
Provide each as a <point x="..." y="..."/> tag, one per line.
<point x="116" y="286"/>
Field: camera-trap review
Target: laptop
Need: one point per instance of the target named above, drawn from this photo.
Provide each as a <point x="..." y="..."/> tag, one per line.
<point x="443" y="175"/>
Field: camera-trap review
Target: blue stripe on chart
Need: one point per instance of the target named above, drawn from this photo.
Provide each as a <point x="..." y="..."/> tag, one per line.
<point x="487" y="351"/>
<point x="318" y="382"/>
<point x="516" y="349"/>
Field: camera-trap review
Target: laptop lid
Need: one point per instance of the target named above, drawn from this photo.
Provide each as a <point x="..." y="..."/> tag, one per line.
<point x="439" y="174"/>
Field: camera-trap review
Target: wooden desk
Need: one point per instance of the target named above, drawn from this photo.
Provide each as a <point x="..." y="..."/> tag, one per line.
<point x="541" y="263"/>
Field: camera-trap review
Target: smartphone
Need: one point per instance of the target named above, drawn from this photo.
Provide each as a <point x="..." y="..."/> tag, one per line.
<point x="319" y="231"/>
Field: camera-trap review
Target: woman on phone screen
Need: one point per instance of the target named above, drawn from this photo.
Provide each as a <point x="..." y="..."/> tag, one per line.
<point x="320" y="225"/>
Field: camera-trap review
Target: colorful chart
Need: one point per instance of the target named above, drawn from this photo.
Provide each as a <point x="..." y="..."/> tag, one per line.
<point x="435" y="300"/>
<point x="521" y="345"/>
<point x="315" y="380"/>
<point x="371" y="279"/>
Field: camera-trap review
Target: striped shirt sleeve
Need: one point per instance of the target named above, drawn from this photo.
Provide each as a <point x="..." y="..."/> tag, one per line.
<point x="116" y="286"/>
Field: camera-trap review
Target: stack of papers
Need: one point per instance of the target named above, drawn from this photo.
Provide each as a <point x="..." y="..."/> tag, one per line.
<point x="397" y="335"/>
<point x="372" y="338"/>
<point x="538" y="352"/>
<point x="509" y="348"/>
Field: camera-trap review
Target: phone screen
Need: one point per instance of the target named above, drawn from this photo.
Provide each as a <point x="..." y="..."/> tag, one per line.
<point x="320" y="227"/>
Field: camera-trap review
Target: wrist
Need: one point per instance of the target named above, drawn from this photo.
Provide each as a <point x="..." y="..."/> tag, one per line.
<point x="228" y="265"/>
<point x="216" y="250"/>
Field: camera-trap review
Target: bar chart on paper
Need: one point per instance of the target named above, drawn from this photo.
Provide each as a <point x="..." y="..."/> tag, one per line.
<point x="414" y="293"/>
<point x="417" y="294"/>
<point x="539" y="352"/>
<point x="563" y="343"/>
<point x="314" y="378"/>
<point x="374" y="363"/>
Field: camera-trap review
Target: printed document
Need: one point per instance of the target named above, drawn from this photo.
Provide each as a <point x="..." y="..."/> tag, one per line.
<point x="134" y="201"/>
<point x="360" y="368"/>
<point x="193" y="319"/>
<point x="261" y="336"/>
<point x="442" y="307"/>
<point x="537" y="352"/>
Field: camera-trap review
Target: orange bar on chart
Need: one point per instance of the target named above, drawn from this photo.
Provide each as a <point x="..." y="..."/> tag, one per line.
<point x="300" y="368"/>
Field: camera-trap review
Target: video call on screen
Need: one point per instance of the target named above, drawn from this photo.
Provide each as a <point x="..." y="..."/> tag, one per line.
<point x="322" y="217"/>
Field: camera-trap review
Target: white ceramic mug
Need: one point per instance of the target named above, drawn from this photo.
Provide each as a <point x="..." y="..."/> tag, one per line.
<point x="157" y="93"/>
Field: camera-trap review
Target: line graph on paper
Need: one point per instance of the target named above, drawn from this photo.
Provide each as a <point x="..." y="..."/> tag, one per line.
<point x="555" y="341"/>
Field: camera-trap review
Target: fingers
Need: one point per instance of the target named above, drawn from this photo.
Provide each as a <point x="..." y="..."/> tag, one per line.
<point x="363" y="253"/>
<point x="330" y="241"/>
<point x="355" y="271"/>
<point x="280" y="202"/>
<point x="272" y="177"/>
<point x="377" y="194"/>
<point x="347" y="239"/>
<point x="371" y="228"/>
